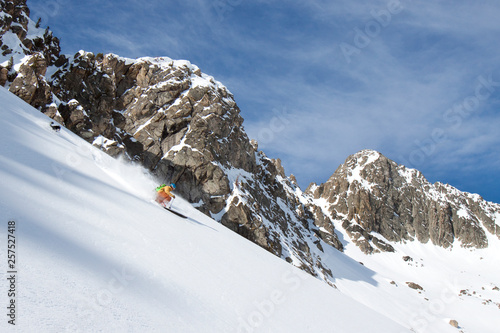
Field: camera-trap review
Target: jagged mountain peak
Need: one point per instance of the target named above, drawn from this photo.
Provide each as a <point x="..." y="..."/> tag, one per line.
<point x="374" y="171"/>
<point x="378" y="201"/>
<point x="367" y="156"/>
<point x="356" y="168"/>
<point x="192" y="71"/>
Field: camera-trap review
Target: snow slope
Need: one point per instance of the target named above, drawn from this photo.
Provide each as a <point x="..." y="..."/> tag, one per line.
<point x="95" y="254"/>
<point x="459" y="284"/>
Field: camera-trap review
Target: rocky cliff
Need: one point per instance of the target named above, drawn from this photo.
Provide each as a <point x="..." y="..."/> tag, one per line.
<point x="27" y="49"/>
<point x="181" y="124"/>
<point x="378" y="202"/>
<point x="186" y="127"/>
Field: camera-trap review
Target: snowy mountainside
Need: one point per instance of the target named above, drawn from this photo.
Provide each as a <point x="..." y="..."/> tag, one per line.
<point x="379" y="202"/>
<point x="436" y="247"/>
<point x="443" y="265"/>
<point x="16" y="28"/>
<point x="456" y="280"/>
<point x="186" y="127"/>
<point x="21" y="38"/>
<point x="94" y="253"/>
<point x="429" y="286"/>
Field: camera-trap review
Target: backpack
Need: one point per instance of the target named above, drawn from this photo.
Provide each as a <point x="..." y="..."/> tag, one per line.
<point x="160" y="187"/>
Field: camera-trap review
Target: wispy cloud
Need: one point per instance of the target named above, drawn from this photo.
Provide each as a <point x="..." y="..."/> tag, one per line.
<point x="400" y="88"/>
<point x="394" y="94"/>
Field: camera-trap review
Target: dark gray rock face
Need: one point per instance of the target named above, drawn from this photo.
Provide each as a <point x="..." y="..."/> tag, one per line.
<point x="376" y="197"/>
<point x="15" y="18"/>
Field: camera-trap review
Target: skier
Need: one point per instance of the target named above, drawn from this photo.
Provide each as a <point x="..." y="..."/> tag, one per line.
<point x="164" y="196"/>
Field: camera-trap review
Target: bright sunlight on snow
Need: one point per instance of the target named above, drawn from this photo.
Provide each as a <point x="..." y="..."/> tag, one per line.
<point x="95" y="253"/>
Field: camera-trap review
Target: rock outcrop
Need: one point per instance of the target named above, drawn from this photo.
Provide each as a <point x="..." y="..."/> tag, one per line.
<point x="26" y="53"/>
<point x="185" y="127"/>
<point x="30" y="83"/>
<point x="20" y="36"/>
<point x="379" y="201"/>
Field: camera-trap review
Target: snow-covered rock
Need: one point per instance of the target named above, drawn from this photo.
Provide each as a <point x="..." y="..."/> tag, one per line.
<point x="379" y="202"/>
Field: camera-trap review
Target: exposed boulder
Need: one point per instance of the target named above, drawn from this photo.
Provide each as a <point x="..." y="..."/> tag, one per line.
<point x="414" y="285"/>
<point x="30" y="83"/>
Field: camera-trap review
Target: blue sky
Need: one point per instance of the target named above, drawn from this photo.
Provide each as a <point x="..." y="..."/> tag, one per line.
<point x="319" y="80"/>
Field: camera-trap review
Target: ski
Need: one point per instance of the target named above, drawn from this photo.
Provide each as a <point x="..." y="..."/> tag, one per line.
<point x="176" y="213"/>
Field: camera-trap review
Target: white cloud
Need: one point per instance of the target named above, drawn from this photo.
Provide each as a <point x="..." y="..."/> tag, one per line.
<point x="392" y="96"/>
<point x="395" y="93"/>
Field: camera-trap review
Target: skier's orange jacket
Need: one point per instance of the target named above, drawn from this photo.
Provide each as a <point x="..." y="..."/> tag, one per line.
<point x="165" y="193"/>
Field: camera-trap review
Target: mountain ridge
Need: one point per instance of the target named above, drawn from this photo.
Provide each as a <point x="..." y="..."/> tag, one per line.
<point x="401" y="205"/>
<point x="186" y="127"/>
